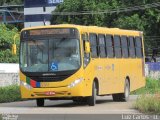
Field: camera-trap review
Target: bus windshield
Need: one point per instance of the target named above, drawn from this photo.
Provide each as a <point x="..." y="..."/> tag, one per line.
<point x="50" y="55"/>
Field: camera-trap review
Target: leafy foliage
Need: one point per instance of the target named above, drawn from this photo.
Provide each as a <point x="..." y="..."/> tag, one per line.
<point x="147" y="20"/>
<point x="11" y="2"/>
<point x="10" y="94"/>
<point x="6" y="41"/>
<point x="152" y="87"/>
<point x="132" y="22"/>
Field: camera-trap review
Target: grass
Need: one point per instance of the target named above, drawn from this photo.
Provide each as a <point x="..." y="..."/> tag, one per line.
<point x="149" y="100"/>
<point x="148" y="104"/>
<point x="152" y="87"/>
<point x="10" y="94"/>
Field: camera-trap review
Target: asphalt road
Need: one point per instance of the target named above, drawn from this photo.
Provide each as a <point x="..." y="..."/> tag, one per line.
<point x="66" y="109"/>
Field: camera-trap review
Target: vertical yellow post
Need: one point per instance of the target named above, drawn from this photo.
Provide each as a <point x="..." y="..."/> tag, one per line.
<point x="14" y="47"/>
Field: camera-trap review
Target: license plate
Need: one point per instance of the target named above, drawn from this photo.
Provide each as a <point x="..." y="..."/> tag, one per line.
<point x="50" y="93"/>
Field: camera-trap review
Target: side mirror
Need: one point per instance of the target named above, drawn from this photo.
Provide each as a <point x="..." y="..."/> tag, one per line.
<point x="87" y="47"/>
<point x="14" y="49"/>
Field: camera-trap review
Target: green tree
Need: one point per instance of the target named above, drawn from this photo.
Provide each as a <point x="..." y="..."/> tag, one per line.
<point x="11" y="2"/>
<point x="146" y="20"/>
<point x="133" y="22"/>
<point x="6" y="41"/>
<point x="76" y="6"/>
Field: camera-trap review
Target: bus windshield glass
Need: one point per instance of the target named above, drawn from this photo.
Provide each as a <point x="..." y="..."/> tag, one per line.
<point x="49" y="54"/>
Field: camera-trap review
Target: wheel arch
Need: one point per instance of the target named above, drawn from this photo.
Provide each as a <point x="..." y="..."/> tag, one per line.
<point x="128" y="78"/>
<point x="97" y="84"/>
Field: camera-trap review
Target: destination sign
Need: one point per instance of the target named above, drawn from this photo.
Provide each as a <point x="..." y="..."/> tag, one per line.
<point x="49" y="32"/>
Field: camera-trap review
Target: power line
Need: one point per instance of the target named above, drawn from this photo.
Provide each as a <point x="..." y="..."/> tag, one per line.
<point x="111" y="11"/>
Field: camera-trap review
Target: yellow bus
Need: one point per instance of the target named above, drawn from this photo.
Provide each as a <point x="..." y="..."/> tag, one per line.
<point x="80" y="62"/>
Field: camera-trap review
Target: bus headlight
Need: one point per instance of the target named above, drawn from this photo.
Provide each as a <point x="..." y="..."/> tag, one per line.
<point x="75" y="83"/>
<point x="26" y="85"/>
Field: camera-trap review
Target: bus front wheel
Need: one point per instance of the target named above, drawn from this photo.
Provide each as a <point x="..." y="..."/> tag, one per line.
<point x="40" y="102"/>
<point x="92" y="99"/>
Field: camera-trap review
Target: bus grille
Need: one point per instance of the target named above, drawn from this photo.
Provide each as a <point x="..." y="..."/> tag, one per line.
<point x="49" y="78"/>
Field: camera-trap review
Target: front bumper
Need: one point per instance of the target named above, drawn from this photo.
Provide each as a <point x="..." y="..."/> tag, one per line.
<point x="60" y="92"/>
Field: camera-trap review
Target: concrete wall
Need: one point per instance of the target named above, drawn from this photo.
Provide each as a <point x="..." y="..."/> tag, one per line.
<point x="9" y="68"/>
<point x="9" y="74"/>
<point x="7" y="79"/>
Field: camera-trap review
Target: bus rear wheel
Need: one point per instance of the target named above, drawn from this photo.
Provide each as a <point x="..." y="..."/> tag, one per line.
<point x="40" y="102"/>
<point x="116" y="97"/>
<point x="124" y="97"/>
<point x="92" y="99"/>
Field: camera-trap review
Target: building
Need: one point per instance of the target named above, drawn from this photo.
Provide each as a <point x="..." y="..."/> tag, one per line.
<point x="38" y="12"/>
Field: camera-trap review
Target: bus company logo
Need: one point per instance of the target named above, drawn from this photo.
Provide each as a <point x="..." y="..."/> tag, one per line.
<point x="99" y="67"/>
<point x="108" y="67"/>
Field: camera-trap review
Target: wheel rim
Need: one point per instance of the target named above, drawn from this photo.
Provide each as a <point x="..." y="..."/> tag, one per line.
<point x="127" y="91"/>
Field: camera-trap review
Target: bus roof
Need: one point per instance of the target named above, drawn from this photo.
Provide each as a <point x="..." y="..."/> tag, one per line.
<point x="92" y="29"/>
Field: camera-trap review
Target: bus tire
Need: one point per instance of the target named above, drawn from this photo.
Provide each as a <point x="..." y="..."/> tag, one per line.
<point x="125" y="95"/>
<point x="76" y="100"/>
<point x="92" y="99"/>
<point x="116" y="97"/>
<point x="80" y="100"/>
<point x="40" y="102"/>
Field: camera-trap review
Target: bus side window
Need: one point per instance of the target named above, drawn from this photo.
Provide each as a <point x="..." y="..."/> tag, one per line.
<point x="124" y="46"/>
<point x="138" y="44"/>
<point x="94" y="45"/>
<point x="102" y="50"/>
<point x="109" y="46"/>
<point x="117" y="46"/>
<point x="86" y="57"/>
<point x="131" y="47"/>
